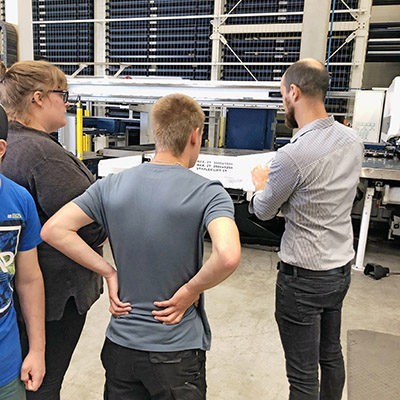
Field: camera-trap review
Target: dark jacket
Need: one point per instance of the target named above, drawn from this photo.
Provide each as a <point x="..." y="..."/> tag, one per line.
<point x="54" y="176"/>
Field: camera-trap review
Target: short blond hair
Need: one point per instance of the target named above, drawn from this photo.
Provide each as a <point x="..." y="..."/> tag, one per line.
<point x="22" y="79"/>
<point x="174" y="118"/>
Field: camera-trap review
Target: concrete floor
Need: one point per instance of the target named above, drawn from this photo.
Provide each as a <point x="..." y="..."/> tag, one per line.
<point x="246" y="360"/>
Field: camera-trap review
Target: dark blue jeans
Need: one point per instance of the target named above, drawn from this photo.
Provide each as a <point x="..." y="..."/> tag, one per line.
<point x="142" y="375"/>
<point x="308" y="312"/>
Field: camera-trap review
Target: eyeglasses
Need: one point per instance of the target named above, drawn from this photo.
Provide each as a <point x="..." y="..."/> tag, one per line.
<point x="64" y="93"/>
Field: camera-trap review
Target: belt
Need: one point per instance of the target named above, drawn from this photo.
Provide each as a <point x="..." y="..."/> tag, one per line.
<point x="289" y="269"/>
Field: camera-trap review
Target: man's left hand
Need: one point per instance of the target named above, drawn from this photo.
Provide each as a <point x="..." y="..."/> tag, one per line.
<point x="259" y="176"/>
<point x="176" y="306"/>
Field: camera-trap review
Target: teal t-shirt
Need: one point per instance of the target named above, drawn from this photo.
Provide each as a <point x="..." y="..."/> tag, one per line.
<point x="156" y="217"/>
<point x="19" y="231"/>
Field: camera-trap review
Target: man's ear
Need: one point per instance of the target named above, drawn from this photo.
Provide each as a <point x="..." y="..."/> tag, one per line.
<point x="3" y="146"/>
<point x="194" y="135"/>
<point x="294" y="92"/>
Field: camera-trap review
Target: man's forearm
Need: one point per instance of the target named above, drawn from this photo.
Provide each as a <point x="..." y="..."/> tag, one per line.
<point x="223" y="261"/>
<point x="74" y="247"/>
<point x="283" y="178"/>
<point x="214" y="271"/>
<point x="224" y="258"/>
<point x="263" y="209"/>
<point x="60" y="231"/>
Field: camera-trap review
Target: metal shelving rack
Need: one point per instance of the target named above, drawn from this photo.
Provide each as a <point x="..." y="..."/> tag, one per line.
<point x="71" y="42"/>
<point x="194" y="39"/>
<point x="384" y="38"/>
<point x="384" y="42"/>
<point x="235" y="40"/>
<point x="166" y="38"/>
<point x="259" y="42"/>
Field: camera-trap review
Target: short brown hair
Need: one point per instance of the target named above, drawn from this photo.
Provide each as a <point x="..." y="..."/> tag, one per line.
<point x="22" y="79"/>
<point x="310" y="76"/>
<point x="174" y="118"/>
<point x="3" y="124"/>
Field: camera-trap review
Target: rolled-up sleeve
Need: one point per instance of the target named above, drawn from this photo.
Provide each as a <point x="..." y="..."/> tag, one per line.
<point x="283" y="178"/>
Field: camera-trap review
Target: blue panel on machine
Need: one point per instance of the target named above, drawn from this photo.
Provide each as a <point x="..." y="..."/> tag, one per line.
<point x="250" y="129"/>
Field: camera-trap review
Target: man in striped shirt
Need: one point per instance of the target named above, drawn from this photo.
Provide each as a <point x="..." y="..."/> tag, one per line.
<point x="313" y="181"/>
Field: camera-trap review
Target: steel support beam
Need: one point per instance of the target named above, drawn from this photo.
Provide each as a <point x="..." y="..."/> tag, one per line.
<point x="360" y="44"/>
<point x="260" y="28"/>
<point x="216" y="68"/>
<point x="216" y="54"/>
<point x="277" y="28"/>
<point x="362" y="239"/>
<point x="19" y="13"/>
<point x="315" y="29"/>
<point x="100" y="38"/>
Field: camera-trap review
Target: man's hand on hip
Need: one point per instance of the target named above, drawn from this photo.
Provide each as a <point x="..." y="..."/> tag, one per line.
<point x="176" y="306"/>
<point x="117" y="307"/>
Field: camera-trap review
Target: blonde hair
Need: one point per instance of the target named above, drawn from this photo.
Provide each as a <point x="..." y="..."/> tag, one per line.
<point x="174" y="118"/>
<point x="22" y="79"/>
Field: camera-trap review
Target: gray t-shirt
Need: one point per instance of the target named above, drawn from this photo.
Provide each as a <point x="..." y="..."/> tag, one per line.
<point x="155" y="217"/>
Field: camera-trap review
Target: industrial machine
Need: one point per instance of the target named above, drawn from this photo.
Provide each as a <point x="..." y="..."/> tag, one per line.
<point x="379" y="126"/>
<point x="232" y="168"/>
<point x="379" y="197"/>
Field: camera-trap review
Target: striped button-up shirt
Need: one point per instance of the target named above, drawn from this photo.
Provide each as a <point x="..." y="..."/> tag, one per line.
<point x="313" y="181"/>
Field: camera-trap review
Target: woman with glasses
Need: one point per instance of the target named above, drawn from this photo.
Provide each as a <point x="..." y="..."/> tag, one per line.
<point x="35" y="97"/>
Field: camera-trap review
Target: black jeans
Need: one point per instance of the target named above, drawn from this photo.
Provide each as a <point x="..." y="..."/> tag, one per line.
<point x="61" y="339"/>
<point x="141" y="375"/>
<point x="308" y="313"/>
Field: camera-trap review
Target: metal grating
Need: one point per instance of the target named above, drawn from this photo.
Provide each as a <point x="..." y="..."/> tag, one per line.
<point x="64" y="43"/>
<point x="341" y="56"/>
<point x="274" y="51"/>
<point x="172" y="38"/>
<point x="280" y="7"/>
<point x="340" y="74"/>
<point x="160" y="47"/>
<point x="342" y="5"/>
<point x="340" y="71"/>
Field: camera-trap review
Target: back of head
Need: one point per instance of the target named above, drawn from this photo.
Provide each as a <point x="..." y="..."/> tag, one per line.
<point x="174" y="118"/>
<point x="3" y="124"/>
<point x="22" y="79"/>
<point x="310" y="76"/>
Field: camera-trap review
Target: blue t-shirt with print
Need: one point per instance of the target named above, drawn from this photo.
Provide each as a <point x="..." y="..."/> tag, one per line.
<point x="19" y="231"/>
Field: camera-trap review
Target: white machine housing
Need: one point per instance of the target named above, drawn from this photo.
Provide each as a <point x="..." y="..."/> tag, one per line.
<point x="391" y="112"/>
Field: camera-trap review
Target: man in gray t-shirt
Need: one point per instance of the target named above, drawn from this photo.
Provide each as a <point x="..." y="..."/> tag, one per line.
<point x="156" y="216"/>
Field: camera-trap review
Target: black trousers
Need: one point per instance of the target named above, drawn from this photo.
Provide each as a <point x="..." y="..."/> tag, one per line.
<point x="308" y="312"/>
<point x="61" y="339"/>
<point x="141" y="375"/>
